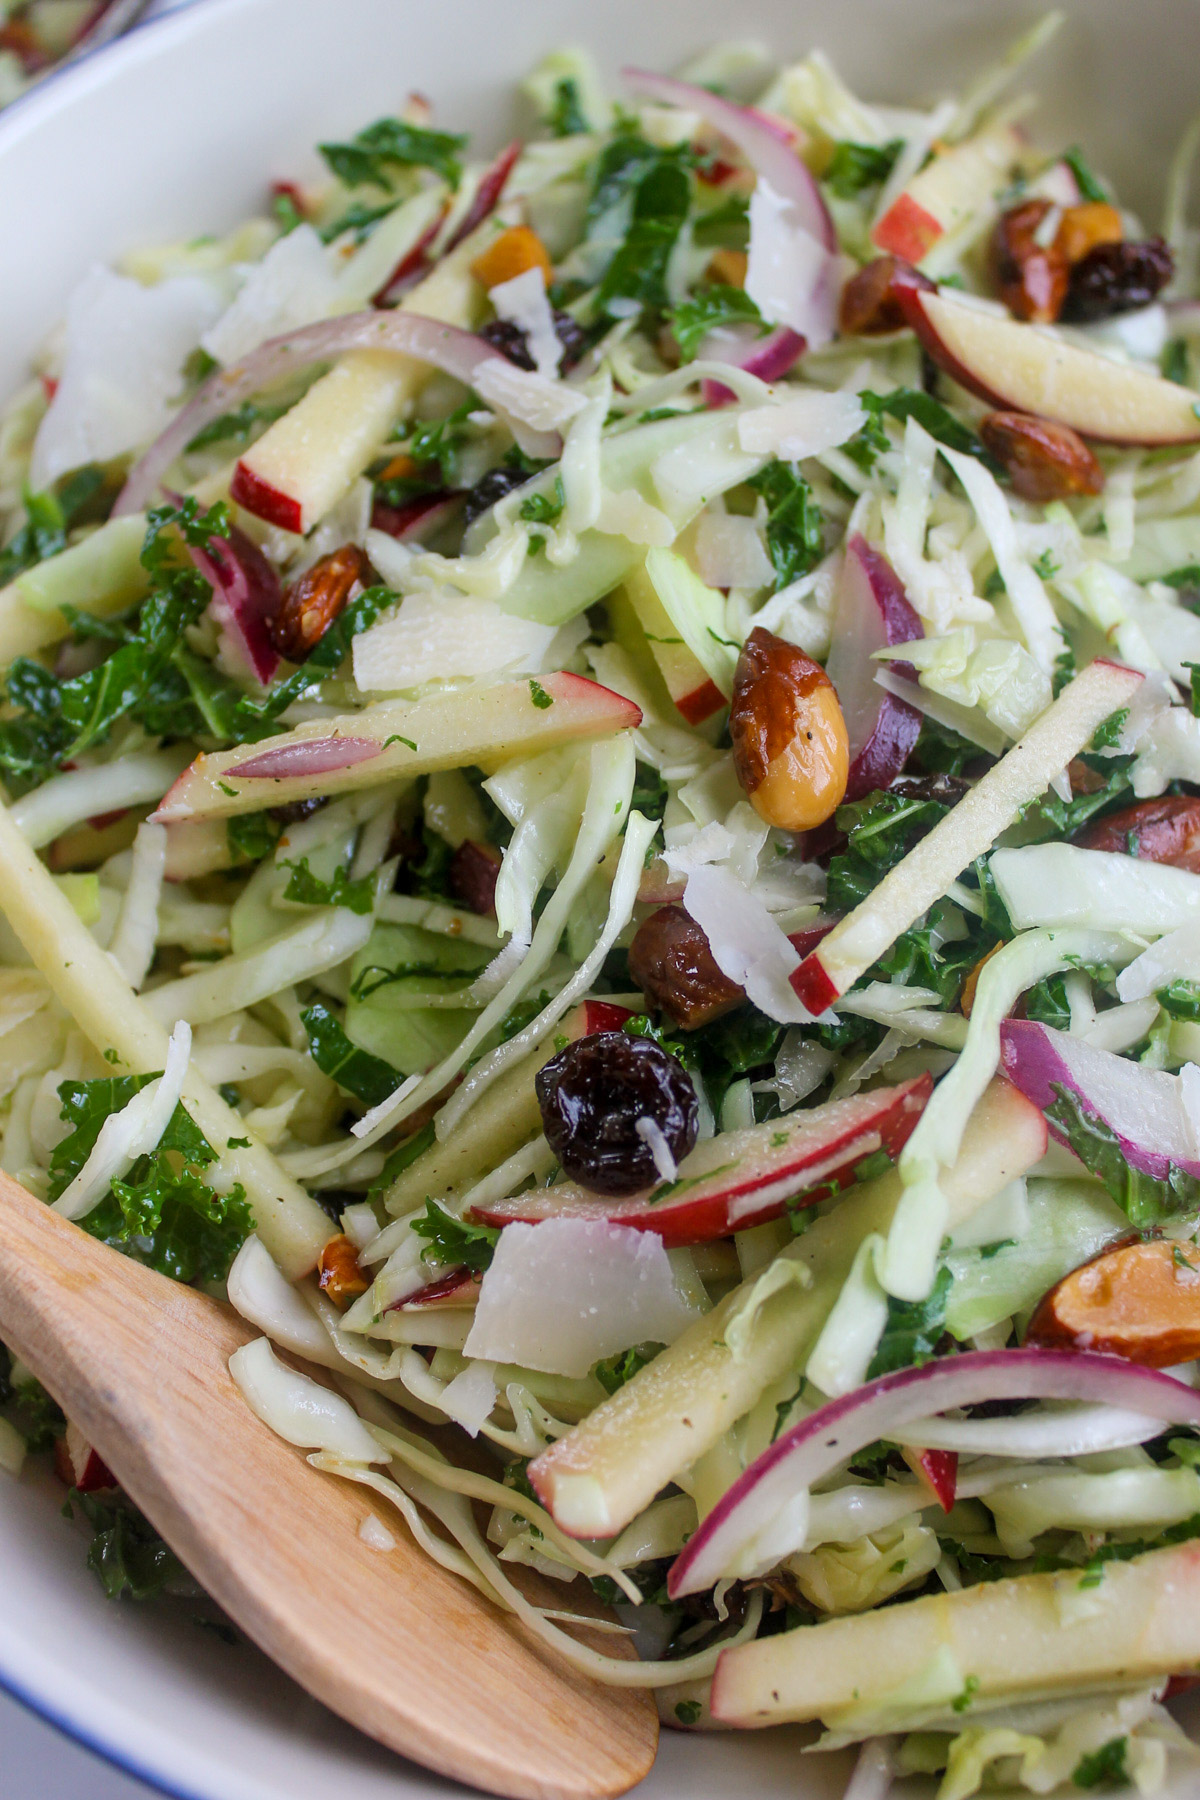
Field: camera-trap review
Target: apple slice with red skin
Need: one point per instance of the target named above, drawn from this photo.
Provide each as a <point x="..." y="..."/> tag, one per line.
<point x="76" y="1463"/>
<point x="485" y="725"/>
<point x="938" y="1469"/>
<point x="1031" y="369"/>
<point x="945" y="192"/>
<point x="994" y="804"/>
<point x="871" y="612"/>
<point x="744" y="1178"/>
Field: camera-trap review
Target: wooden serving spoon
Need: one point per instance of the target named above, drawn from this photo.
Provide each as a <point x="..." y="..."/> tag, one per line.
<point x="394" y="1643"/>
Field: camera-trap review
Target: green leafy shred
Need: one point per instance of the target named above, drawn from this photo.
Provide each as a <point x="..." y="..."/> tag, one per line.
<point x="853" y="167"/>
<point x="324" y="659"/>
<point x="308" y="889"/>
<point x="1089" y="185"/>
<point x="35" y="1415"/>
<point x="238" y="426"/>
<point x="545" y="509"/>
<point x="1145" y="1199"/>
<point x="913" y="403"/>
<point x="1181" y="999"/>
<point x="126" y="1554"/>
<point x="912" y="1330"/>
<point x="794" y="541"/>
<point x="49" y="516"/>
<point x="615" y="1371"/>
<point x="710" y="309"/>
<point x="567" y="117"/>
<point x="252" y="836"/>
<point x="688" y="1711"/>
<point x="389" y="144"/>
<point x="163" y="1213"/>
<point x="367" y="1077"/>
<point x="403" y="1157"/>
<point x="1176" y="362"/>
<point x="1103" y="1767"/>
<point x="658" y="184"/>
<point x="459" y="1242"/>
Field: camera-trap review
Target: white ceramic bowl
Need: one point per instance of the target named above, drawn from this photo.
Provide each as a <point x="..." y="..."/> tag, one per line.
<point x="175" y="132"/>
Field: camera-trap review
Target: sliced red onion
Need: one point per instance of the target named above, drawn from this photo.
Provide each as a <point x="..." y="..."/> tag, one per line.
<point x="418" y="517"/>
<point x="411" y="267"/>
<point x="770" y="358"/>
<point x="872" y="611"/>
<point x="760" y="140"/>
<point x="1144" y="1107"/>
<point x="446" y="347"/>
<point x="838" y="1430"/>
<point x="487" y="195"/>
<point x="247" y="596"/>
<point x="1070" y="1431"/>
<point x="315" y="756"/>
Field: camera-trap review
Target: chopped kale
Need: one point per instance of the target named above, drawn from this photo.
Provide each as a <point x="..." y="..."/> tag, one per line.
<point x="615" y="1371"/>
<point x="912" y="1330"/>
<point x="794" y="541"/>
<point x="709" y="309"/>
<point x="638" y="270"/>
<point x="163" y="1213"/>
<point x="308" y="890"/>
<point x="459" y="1242"/>
<point x="1145" y="1199"/>
<point x="567" y="117"/>
<point x="356" y="1071"/>
<point x="853" y="167"/>
<point x="391" y="144"/>
<point x="126" y="1554"/>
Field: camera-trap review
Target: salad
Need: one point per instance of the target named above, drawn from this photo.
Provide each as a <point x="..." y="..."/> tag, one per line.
<point x="602" y="829"/>
<point x="35" y="35"/>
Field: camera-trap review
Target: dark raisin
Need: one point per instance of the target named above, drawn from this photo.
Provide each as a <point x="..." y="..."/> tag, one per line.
<point x="1117" y="278"/>
<point x="594" y="1094"/>
<point x="493" y="487"/>
<point x="510" y="340"/>
<point x="670" y="960"/>
<point x="472" y="876"/>
<point x="293" y="811"/>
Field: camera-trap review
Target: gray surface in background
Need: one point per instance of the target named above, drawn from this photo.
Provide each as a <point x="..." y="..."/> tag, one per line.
<point x="39" y="1763"/>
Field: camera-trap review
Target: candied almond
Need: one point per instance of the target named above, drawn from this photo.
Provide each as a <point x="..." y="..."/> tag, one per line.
<point x="670" y="960"/>
<point x="1043" y="461"/>
<point x="1139" y="1300"/>
<point x="791" y="750"/>
<point x="966" y="999"/>
<point x="869" y="305"/>
<point x="1166" y="830"/>
<point x="339" y="1273"/>
<point x="314" y="600"/>
<point x="1031" y="277"/>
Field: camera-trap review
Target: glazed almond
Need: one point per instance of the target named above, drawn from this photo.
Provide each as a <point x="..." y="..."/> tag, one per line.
<point x="1163" y="831"/>
<point x="1031" y="278"/>
<point x="339" y="1273"/>
<point x="314" y="600"/>
<point x="670" y="960"/>
<point x="869" y="306"/>
<point x="790" y="745"/>
<point x="1140" y="1300"/>
<point x="1043" y="461"/>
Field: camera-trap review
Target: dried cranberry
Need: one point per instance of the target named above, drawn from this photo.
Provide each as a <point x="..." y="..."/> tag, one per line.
<point x="472" y="876"/>
<point x="493" y="487"/>
<point x="1116" y="278"/>
<point x="594" y="1094"/>
<point x="293" y="811"/>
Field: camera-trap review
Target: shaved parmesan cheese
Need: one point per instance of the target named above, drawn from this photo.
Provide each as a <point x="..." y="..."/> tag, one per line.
<point x="130" y="1133"/>
<point x="790" y="274"/>
<point x="730" y="552"/>
<point x="804" y="424"/>
<point x="470" y="1397"/>
<point x="562" y="1295"/>
<point x="293" y="285"/>
<point x="542" y="404"/>
<point x="122" y="368"/>
<point x="298" y="1409"/>
<point x="747" y="944"/>
<point x="523" y="302"/>
<point x="627" y="515"/>
<point x="440" y="635"/>
<point x="375" y="1533"/>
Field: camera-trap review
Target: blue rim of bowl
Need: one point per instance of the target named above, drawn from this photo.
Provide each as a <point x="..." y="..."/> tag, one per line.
<point x="78" y="1734"/>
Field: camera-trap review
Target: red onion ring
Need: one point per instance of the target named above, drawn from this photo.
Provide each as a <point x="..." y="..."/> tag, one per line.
<point x="446" y="347"/>
<point x="759" y="139"/>
<point x="842" y="1427"/>
<point x="246" y="596"/>
<point x="770" y="358"/>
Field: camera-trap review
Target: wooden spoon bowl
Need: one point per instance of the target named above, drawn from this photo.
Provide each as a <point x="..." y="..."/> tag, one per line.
<point x="392" y="1642"/>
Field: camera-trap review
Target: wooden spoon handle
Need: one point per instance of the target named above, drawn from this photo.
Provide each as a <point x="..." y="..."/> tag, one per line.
<point x="395" y="1644"/>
